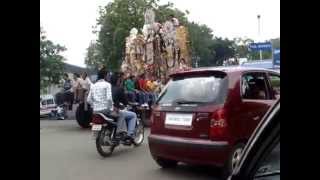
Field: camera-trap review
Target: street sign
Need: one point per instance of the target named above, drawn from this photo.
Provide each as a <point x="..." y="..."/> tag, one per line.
<point x="276" y="57"/>
<point x="266" y="46"/>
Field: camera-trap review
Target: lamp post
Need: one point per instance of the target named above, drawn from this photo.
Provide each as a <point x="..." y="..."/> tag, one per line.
<point x="197" y="61"/>
<point x="259" y="35"/>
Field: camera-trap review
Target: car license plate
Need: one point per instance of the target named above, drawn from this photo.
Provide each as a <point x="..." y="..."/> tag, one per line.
<point x="96" y="127"/>
<point x="178" y="119"/>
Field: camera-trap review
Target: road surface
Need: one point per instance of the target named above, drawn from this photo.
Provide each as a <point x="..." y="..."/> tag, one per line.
<point x="68" y="152"/>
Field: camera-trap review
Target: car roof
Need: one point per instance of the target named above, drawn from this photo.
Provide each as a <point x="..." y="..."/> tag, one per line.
<point x="46" y="96"/>
<point x="226" y="69"/>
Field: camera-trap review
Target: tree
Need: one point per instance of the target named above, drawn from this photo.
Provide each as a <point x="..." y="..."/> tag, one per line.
<point x="241" y="47"/>
<point x="51" y="62"/>
<point x="201" y="42"/>
<point x="224" y="49"/>
<point x="93" y="57"/>
<point x="275" y="43"/>
<point x="164" y="11"/>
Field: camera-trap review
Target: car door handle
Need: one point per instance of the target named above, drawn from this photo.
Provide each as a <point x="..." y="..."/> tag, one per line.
<point x="256" y="118"/>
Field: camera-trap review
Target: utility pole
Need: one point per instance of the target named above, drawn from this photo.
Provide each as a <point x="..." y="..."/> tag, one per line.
<point x="259" y="33"/>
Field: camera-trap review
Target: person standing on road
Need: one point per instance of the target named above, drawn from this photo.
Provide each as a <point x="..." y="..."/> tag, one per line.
<point x="68" y="96"/>
<point x="85" y="84"/>
<point x="85" y="81"/>
<point x="76" y="86"/>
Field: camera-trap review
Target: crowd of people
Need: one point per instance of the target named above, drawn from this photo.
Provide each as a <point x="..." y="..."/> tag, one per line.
<point x="74" y="90"/>
<point x="142" y="89"/>
<point x="109" y="91"/>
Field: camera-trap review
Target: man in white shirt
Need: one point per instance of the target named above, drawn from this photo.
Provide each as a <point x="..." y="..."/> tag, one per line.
<point x="100" y="98"/>
<point x="85" y="81"/>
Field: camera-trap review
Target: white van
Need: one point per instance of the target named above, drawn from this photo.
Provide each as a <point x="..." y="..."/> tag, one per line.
<point x="47" y="104"/>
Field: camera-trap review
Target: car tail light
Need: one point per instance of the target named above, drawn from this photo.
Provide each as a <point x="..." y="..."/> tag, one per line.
<point x="218" y="125"/>
<point x="96" y="119"/>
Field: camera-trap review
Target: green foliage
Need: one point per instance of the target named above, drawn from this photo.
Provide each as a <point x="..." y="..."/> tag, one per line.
<point x="275" y="43"/>
<point x="93" y="56"/>
<point x="201" y="42"/>
<point x="164" y="11"/>
<point x="241" y="47"/>
<point x="51" y="62"/>
<point x="224" y="49"/>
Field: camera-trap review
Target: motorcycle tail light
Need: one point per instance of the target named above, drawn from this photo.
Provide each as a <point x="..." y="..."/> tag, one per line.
<point x="96" y="119"/>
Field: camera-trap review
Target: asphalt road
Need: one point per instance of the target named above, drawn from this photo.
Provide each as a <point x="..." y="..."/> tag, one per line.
<point x="68" y="152"/>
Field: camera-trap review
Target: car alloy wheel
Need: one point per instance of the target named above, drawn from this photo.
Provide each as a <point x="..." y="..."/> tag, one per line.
<point x="236" y="157"/>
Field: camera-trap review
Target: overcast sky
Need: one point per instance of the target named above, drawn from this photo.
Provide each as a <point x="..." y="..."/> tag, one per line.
<point x="69" y="22"/>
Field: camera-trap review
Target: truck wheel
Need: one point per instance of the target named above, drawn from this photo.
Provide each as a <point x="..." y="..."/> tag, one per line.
<point x="83" y="117"/>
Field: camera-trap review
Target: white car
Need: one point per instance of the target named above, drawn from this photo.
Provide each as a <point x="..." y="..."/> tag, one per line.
<point x="47" y="104"/>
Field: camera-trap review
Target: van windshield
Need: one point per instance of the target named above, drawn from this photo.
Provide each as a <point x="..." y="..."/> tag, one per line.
<point x="194" y="90"/>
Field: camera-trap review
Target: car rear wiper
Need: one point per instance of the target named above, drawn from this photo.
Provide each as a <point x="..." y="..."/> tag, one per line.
<point x="188" y="102"/>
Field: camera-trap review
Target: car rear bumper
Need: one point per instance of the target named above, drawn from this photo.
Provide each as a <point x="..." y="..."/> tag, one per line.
<point x="189" y="150"/>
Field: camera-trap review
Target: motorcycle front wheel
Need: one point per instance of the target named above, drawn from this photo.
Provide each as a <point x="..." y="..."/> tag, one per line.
<point x="103" y="143"/>
<point x="139" y="135"/>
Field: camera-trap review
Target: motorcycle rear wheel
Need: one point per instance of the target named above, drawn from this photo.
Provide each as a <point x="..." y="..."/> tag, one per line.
<point x="139" y="136"/>
<point x="103" y="143"/>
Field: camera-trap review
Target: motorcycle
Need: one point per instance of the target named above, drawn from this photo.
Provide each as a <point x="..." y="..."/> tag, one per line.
<point x="59" y="112"/>
<point x="143" y="113"/>
<point x="104" y="132"/>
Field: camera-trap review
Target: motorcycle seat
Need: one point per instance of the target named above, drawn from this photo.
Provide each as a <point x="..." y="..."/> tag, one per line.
<point x="108" y="117"/>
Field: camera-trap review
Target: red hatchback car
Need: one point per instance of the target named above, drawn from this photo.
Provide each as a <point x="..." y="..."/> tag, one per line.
<point x="205" y="116"/>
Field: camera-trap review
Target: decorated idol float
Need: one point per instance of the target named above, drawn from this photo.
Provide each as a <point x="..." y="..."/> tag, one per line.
<point x="159" y="50"/>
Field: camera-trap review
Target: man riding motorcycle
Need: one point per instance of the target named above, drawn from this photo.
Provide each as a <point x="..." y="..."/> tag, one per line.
<point x="102" y="96"/>
<point x="127" y="118"/>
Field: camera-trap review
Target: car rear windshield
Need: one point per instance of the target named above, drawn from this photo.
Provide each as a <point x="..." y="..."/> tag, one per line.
<point x="195" y="89"/>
